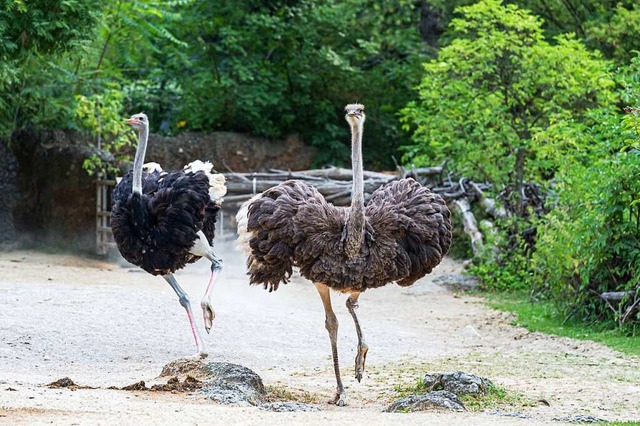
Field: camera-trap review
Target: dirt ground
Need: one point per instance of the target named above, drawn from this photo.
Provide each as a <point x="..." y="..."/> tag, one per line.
<point x="104" y="324"/>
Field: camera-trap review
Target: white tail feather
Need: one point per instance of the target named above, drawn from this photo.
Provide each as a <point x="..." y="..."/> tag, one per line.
<point x="152" y="167"/>
<point x="242" y="218"/>
<point x="217" y="188"/>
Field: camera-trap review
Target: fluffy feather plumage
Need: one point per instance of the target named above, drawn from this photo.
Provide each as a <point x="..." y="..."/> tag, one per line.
<point x="156" y="229"/>
<point x="407" y="233"/>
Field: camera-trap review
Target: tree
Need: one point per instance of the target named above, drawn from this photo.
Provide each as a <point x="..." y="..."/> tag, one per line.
<point x="31" y="33"/>
<point x="501" y="103"/>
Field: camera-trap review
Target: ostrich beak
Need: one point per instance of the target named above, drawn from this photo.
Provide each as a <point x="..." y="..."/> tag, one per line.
<point x="130" y="121"/>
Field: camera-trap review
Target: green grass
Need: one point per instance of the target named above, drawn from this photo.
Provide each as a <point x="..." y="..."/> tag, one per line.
<point x="624" y="423"/>
<point x="543" y="317"/>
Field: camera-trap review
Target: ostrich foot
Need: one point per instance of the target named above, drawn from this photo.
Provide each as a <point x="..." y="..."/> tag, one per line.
<point x="339" y="400"/>
<point x="361" y="358"/>
<point x="208" y="314"/>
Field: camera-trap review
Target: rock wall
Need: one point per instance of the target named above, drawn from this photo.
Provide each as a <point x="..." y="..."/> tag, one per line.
<point x="229" y="152"/>
<point x="8" y="191"/>
<point x="56" y="197"/>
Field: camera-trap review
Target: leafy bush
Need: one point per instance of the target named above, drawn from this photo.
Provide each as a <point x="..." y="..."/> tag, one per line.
<point x="503" y="105"/>
<point x="101" y="115"/>
<point x="590" y="242"/>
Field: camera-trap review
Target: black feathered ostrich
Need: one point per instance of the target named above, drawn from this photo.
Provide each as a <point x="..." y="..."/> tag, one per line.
<point x="399" y="236"/>
<point x="162" y="221"/>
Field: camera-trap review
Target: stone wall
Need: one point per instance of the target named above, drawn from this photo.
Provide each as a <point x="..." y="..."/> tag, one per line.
<point x="56" y="197"/>
<point x="229" y="152"/>
<point x="8" y="191"/>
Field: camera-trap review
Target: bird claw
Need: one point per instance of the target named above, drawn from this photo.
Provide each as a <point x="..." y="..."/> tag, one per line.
<point x="339" y="400"/>
<point x="361" y="358"/>
<point x="208" y="315"/>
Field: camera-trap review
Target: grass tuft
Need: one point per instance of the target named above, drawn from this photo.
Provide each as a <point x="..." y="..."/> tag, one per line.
<point x="280" y="393"/>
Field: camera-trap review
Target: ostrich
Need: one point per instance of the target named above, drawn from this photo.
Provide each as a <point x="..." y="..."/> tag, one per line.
<point x="399" y="236"/>
<point x="162" y="221"/>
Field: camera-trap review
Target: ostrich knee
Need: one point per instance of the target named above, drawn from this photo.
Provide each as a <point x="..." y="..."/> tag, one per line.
<point x="184" y="301"/>
<point x="331" y="324"/>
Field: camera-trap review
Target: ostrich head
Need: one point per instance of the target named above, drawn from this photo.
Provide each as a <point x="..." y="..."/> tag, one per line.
<point x="354" y="113"/>
<point x="138" y="121"/>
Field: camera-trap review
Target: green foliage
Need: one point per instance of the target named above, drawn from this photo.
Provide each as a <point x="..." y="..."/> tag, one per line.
<point x="492" y="102"/>
<point x="102" y="116"/>
<point x="590" y="242"/>
<point x="32" y="35"/>
<point x="290" y="67"/>
<point x="505" y="264"/>
<point x="504" y="106"/>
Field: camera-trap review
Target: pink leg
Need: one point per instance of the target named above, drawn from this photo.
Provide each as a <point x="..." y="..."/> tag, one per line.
<point x="184" y="301"/>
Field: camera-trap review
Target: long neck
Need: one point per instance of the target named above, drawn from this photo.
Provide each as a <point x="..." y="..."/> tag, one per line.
<point x="139" y="160"/>
<point x="355" y="223"/>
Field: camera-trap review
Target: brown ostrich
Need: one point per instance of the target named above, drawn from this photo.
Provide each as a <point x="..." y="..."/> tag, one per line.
<point x="399" y="236"/>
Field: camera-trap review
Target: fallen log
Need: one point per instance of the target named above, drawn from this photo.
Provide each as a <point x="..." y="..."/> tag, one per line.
<point x="616" y="296"/>
<point x="470" y="225"/>
<point x="339" y="173"/>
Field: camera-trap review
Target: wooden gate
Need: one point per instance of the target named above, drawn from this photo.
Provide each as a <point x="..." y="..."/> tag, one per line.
<point x="104" y="237"/>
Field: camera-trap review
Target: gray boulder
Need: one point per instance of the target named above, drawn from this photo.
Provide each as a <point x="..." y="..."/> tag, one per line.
<point x="436" y="400"/>
<point x="459" y="383"/>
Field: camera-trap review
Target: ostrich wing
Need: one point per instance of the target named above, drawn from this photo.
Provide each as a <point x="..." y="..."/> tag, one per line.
<point x="410" y="220"/>
<point x="284" y="224"/>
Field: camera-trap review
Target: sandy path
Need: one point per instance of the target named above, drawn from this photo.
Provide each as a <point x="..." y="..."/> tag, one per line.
<point x="103" y="324"/>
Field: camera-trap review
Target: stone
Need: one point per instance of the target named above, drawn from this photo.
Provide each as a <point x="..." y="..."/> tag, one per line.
<point x="503" y="413"/>
<point x="232" y="384"/>
<point x="459" y="383"/>
<point x="579" y="418"/>
<point x="288" y="407"/>
<point x="457" y="282"/>
<point x="436" y="400"/>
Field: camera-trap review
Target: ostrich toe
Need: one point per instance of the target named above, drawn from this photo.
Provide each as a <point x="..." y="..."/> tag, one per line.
<point x="361" y="357"/>
<point x="208" y="315"/>
<point x="339" y="400"/>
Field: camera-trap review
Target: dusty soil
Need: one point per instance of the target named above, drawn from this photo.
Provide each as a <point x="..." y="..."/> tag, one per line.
<point x="103" y="324"/>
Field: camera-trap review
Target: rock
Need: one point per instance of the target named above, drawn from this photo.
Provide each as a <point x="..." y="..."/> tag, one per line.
<point x="139" y="386"/>
<point x="459" y="383"/>
<point x="430" y="401"/>
<point x="470" y="331"/>
<point x="194" y="368"/>
<point x="579" y="418"/>
<point x="457" y="282"/>
<point x="507" y="414"/>
<point x="65" y="382"/>
<point x="288" y="407"/>
<point x="174" y="385"/>
<point x="233" y="384"/>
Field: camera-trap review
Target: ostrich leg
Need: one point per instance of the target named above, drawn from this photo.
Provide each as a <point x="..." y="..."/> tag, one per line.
<point x="352" y="304"/>
<point x="331" y="324"/>
<point x="201" y="247"/>
<point x="207" y="311"/>
<point x="184" y="301"/>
